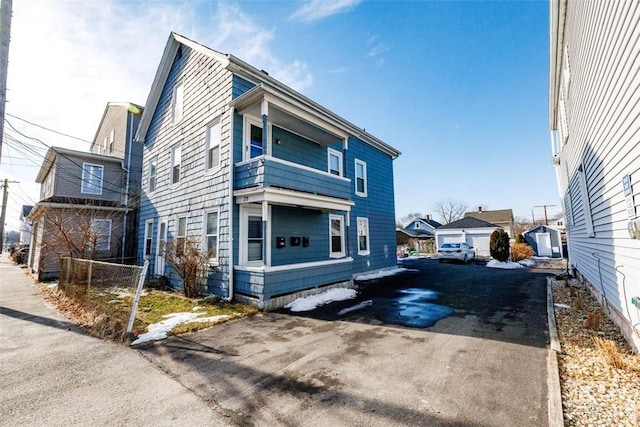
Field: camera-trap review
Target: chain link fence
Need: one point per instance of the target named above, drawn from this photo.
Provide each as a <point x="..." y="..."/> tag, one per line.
<point x="108" y="291"/>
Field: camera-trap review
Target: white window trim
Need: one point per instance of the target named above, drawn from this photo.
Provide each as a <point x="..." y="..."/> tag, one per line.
<point x="214" y="260"/>
<point x="342" y="252"/>
<point x="177" y="103"/>
<point x="148" y="237"/>
<point x="173" y="164"/>
<point x="96" y="220"/>
<point x="153" y="161"/>
<point x="161" y="246"/>
<point x="246" y="137"/>
<point x="243" y="248"/>
<point x="366" y="251"/>
<point x="355" y="173"/>
<point x="331" y="151"/>
<point x="586" y="204"/>
<point x="84" y="183"/>
<point x="215" y="123"/>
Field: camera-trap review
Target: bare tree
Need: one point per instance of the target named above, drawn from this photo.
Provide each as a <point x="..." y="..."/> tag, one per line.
<point x="400" y="222"/>
<point x="521" y="224"/>
<point x="449" y="210"/>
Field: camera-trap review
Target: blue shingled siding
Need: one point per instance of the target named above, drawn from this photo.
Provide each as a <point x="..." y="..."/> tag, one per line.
<point x="296" y="149"/>
<point x="378" y="207"/>
<point x="291" y="222"/>
<point x="271" y="173"/>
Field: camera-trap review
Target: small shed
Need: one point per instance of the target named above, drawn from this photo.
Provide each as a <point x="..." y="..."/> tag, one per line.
<point x="545" y="241"/>
<point x="473" y="231"/>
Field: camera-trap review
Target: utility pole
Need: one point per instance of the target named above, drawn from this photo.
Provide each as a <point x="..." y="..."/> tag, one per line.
<point x="546" y="221"/>
<point x="3" y="215"/>
<point x="5" y="36"/>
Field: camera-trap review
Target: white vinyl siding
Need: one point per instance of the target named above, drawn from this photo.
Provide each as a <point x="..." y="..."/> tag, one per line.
<point x="586" y="203"/>
<point x="92" y="176"/>
<point x="178" y="103"/>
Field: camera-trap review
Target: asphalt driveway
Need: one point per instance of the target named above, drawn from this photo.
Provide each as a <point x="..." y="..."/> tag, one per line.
<point x="376" y="361"/>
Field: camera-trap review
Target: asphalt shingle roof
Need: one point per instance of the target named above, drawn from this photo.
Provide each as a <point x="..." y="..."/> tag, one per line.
<point x="468" y="222"/>
<point x="502" y="215"/>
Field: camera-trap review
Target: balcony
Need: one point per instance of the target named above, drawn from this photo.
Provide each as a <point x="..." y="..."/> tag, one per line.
<point x="269" y="172"/>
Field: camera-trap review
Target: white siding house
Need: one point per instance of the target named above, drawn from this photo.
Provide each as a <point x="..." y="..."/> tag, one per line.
<point x="594" y="105"/>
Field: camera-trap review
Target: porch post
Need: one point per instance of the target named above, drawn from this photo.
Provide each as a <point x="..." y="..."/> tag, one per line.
<point x="265" y="215"/>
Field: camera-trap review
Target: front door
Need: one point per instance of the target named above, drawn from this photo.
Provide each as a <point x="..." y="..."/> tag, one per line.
<point x="161" y="248"/>
<point x="543" y="240"/>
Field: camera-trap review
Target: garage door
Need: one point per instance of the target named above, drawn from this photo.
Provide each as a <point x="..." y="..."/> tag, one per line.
<point x="481" y="245"/>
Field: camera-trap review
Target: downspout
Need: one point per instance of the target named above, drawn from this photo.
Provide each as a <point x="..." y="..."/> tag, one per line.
<point x="126" y="190"/>
<point x="345" y="149"/>
<point x="231" y="133"/>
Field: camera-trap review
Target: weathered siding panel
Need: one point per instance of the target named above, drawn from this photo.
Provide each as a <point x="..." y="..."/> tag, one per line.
<point x="603" y="105"/>
<point x="68" y="179"/>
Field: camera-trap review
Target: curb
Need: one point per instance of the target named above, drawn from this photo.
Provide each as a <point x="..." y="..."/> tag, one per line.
<point x="554" y="404"/>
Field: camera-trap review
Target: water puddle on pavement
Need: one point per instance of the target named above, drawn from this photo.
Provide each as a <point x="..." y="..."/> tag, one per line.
<point x="413" y="308"/>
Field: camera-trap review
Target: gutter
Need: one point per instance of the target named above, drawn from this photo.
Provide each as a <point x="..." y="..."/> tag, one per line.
<point x="231" y="133"/>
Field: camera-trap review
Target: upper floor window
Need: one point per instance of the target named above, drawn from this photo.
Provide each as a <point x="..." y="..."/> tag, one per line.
<point x="212" y="145"/>
<point x="178" y="102"/>
<point x="211" y="232"/>
<point x="91" y="178"/>
<point x="361" y="178"/>
<point x="101" y="234"/>
<point x="176" y="159"/>
<point x="256" y="145"/>
<point x="152" y="175"/>
<point x="363" y="236"/>
<point x="336" y="236"/>
<point x="335" y="162"/>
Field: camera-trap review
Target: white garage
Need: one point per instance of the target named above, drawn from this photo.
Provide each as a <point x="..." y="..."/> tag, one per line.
<point x="473" y="231"/>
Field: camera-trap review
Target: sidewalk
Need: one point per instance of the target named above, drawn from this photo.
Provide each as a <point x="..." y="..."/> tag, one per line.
<point x="52" y="373"/>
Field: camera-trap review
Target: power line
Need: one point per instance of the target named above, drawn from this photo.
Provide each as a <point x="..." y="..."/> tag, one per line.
<point x="49" y="129"/>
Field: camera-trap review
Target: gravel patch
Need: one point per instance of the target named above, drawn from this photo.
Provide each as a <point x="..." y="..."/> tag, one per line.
<point x="599" y="373"/>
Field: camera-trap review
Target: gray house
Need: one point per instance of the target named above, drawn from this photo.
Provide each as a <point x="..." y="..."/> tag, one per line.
<point x="283" y="194"/>
<point x="88" y="201"/>
<point x="545" y="241"/>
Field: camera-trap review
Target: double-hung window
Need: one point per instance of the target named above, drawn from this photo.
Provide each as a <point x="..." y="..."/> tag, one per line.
<point x="335" y="162"/>
<point x="363" y="236"/>
<point x="91" y="178"/>
<point x="176" y="159"/>
<point x="101" y="234"/>
<point x="148" y="237"/>
<point x="151" y="183"/>
<point x="178" y="102"/>
<point x="361" y="178"/>
<point x="336" y="236"/>
<point x="211" y="232"/>
<point x="212" y="146"/>
<point x="181" y="234"/>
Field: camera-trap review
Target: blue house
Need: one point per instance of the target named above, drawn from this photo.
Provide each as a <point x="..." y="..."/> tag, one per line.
<point x="285" y="195"/>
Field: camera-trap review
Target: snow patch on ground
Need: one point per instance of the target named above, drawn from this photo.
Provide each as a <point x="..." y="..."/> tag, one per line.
<point x="311" y="302"/>
<point x="528" y="262"/>
<point x="561" y="305"/>
<point x="52" y="285"/>
<point x="159" y="331"/>
<point x="509" y="265"/>
<point x="363" y="304"/>
<point x="383" y="273"/>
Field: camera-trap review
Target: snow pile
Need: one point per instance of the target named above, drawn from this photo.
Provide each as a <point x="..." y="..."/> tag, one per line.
<point x="382" y="273"/>
<point x="528" y="262"/>
<point x="363" y="304"/>
<point x="561" y="305"/>
<point x="311" y="302"/>
<point x="158" y="331"/>
<point x="509" y="265"/>
<point x="52" y="285"/>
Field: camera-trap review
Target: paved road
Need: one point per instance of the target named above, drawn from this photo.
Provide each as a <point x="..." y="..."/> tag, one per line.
<point x="482" y="364"/>
<point x="53" y="374"/>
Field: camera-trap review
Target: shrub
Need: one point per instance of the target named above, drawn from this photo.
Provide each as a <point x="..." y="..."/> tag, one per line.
<point x="521" y="251"/>
<point x="499" y="245"/>
<point x="520" y="239"/>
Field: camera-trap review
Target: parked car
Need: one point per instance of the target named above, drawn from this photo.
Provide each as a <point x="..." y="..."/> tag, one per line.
<point x="456" y="252"/>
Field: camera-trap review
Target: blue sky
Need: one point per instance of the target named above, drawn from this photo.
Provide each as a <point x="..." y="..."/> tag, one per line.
<point x="460" y="88"/>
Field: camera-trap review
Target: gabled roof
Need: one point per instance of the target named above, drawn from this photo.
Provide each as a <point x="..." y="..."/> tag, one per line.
<point x="468" y="222"/>
<point x="418" y="234"/>
<point x="53" y="152"/>
<point x="502" y="215"/>
<point x="543" y="228"/>
<point x="250" y="73"/>
<point x="434" y="224"/>
<point x="131" y="107"/>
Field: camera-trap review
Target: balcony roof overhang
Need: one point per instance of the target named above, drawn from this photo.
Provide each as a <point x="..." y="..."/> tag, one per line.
<point x="298" y="199"/>
<point x="290" y="114"/>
